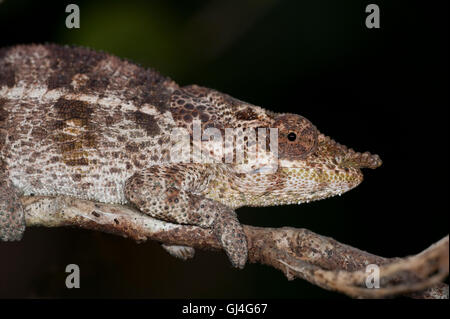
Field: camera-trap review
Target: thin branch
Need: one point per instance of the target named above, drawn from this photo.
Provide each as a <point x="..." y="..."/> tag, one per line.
<point x="298" y="253"/>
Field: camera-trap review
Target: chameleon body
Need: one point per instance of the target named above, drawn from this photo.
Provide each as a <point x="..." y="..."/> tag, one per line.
<point x="86" y="124"/>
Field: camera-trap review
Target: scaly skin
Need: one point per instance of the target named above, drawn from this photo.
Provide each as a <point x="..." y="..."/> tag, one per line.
<point x="89" y="125"/>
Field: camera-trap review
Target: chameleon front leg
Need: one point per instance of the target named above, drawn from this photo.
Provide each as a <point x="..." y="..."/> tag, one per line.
<point x="174" y="193"/>
<point x="12" y="218"/>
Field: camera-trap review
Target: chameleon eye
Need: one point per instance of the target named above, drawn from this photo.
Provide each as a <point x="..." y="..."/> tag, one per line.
<point x="291" y="136"/>
<point x="298" y="138"/>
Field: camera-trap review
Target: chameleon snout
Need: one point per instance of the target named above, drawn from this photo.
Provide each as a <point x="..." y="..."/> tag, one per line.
<point x="346" y="157"/>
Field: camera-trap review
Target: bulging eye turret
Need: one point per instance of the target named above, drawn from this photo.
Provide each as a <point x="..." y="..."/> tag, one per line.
<point x="297" y="137"/>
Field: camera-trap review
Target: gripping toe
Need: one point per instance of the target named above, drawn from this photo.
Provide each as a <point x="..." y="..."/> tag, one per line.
<point x="182" y="252"/>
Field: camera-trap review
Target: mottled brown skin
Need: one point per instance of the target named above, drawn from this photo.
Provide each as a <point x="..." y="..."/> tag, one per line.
<point x="87" y="124"/>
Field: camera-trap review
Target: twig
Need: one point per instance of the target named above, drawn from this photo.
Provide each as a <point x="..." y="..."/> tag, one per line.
<point x="298" y="253"/>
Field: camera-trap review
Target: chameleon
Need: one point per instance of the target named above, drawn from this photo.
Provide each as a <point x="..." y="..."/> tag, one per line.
<point x="84" y="123"/>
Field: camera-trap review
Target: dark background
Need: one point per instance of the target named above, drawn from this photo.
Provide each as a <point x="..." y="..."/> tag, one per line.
<point x="379" y="90"/>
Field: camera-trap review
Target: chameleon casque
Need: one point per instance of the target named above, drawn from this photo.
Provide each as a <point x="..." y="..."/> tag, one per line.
<point x="86" y="124"/>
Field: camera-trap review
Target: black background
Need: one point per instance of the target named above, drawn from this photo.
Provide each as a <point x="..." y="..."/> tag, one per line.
<point x="379" y="90"/>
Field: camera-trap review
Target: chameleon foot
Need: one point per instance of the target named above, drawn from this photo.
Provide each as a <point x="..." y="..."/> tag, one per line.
<point x="232" y="238"/>
<point x="228" y="231"/>
<point x="178" y="251"/>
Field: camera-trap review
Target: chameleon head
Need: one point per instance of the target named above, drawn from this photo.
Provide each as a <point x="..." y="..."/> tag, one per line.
<point x="311" y="165"/>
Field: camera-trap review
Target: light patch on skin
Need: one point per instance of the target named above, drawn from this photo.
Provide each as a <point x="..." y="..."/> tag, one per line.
<point x="15" y="93"/>
<point x="79" y="80"/>
<point x="149" y="109"/>
<point x="22" y="92"/>
<point x="44" y="95"/>
<point x="34" y="94"/>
